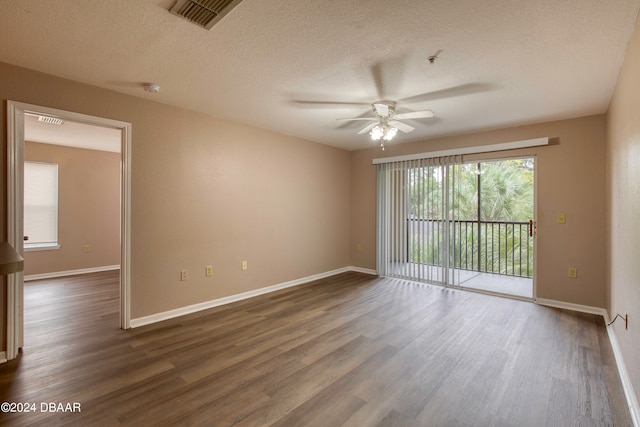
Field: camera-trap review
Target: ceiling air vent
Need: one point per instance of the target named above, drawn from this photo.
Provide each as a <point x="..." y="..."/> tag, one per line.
<point x="50" y="120"/>
<point x="205" y="13"/>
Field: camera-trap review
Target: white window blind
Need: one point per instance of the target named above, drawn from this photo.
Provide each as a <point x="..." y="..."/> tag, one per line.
<point x="416" y="219"/>
<point x="40" y="204"/>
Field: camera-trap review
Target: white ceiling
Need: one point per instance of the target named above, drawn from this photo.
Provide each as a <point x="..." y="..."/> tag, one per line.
<point x="295" y="66"/>
<point x="72" y="134"/>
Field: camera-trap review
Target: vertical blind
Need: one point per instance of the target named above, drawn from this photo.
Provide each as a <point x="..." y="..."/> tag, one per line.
<point x="416" y="214"/>
<point x="40" y="203"/>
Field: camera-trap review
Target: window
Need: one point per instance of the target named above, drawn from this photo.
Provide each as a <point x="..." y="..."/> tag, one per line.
<point x="40" y="206"/>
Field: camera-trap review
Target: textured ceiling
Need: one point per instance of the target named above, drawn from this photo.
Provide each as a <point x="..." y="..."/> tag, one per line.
<point x="295" y="66"/>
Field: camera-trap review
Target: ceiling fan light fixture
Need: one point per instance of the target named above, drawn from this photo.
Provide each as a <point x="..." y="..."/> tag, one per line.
<point x="383" y="131"/>
<point x="386" y="123"/>
<point x="391" y="132"/>
<point x="377" y="132"/>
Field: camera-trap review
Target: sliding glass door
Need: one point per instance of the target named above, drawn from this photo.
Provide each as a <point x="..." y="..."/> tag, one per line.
<point x="458" y="224"/>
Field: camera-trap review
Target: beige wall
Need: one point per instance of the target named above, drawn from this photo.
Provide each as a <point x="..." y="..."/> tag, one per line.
<point x="210" y="192"/>
<point x="623" y="185"/>
<point x="88" y="209"/>
<point x="570" y="179"/>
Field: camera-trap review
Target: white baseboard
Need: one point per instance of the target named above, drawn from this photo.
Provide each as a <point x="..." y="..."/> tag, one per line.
<point x="627" y="386"/>
<point x="362" y="270"/>
<point x="574" y="307"/>
<point x="158" y="317"/>
<point x="70" y="272"/>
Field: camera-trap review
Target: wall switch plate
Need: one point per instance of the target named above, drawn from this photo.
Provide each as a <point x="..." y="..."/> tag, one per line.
<point x="184" y="275"/>
<point x="208" y="270"/>
<point x="359" y="247"/>
<point x="562" y="217"/>
<point x="244" y="265"/>
<point x="86" y="249"/>
<point x="573" y="272"/>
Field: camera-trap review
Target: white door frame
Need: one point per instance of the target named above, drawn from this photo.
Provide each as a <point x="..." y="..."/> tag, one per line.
<point x="15" y="205"/>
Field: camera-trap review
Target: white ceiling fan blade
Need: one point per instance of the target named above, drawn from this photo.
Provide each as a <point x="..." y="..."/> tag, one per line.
<point x="401" y="126"/>
<point x="414" y="115"/>
<point x="381" y="109"/>
<point x="367" y="128"/>
<point x="357" y="118"/>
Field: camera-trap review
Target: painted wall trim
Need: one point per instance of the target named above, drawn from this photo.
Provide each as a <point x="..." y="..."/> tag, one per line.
<point x="526" y="143"/>
<point x="363" y="270"/>
<point x="70" y="272"/>
<point x="158" y="317"/>
<point x="15" y="161"/>
<point x="575" y="307"/>
<point x="15" y="189"/>
<point x="627" y="386"/>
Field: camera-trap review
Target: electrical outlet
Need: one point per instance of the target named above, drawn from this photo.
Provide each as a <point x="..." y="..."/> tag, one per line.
<point x="86" y="249"/>
<point x="244" y="265"/>
<point x="184" y="275"/>
<point x="573" y="272"/>
<point x="208" y="270"/>
<point x="358" y="247"/>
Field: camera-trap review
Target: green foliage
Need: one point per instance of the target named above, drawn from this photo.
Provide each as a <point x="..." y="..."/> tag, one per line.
<point x="506" y="195"/>
<point x="506" y="190"/>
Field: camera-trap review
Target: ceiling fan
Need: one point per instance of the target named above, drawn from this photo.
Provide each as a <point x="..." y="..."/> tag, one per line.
<point x="386" y="123"/>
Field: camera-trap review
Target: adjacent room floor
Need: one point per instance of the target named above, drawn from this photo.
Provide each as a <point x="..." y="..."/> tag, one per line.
<point x="353" y="350"/>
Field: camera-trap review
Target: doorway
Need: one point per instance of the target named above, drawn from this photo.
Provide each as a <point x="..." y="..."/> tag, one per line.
<point x="15" y="204"/>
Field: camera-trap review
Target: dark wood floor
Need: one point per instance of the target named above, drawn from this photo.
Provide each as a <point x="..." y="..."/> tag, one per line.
<point x="349" y="350"/>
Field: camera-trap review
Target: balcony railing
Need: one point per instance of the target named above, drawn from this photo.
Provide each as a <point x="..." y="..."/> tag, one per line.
<point x="499" y="247"/>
